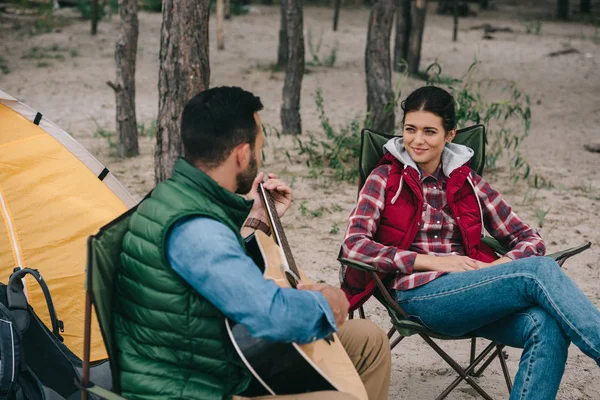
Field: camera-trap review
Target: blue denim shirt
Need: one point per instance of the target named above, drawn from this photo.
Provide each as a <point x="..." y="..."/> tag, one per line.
<point x="207" y="255"/>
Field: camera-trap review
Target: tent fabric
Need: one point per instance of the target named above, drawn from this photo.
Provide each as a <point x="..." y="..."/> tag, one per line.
<point x="51" y="200"/>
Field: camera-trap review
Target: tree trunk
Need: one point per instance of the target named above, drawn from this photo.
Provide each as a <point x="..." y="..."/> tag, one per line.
<point x="586" y="6"/>
<point x="282" y="49"/>
<point x="184" y="72"/>
<point x="95" y="7"/>
<point x="124" y="86"/>
<point x="455" y="15"/>
<point x="562" y="11"/>
<point x="227" y="9"/>
<point x="336" y="14"/>
<point x="484" y="4"/>
<point x="294" y="71"/>
<point x="220" y="39"/>
<point x="418" y="14"/>
<point x="402" y="34"/>
<point x="380" y="96"/>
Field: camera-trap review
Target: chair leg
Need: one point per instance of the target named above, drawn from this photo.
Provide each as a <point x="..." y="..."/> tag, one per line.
<point x="473" y="349"/>
<point x="499" y="353"/>
<point x="396" y="341"/>
<point x="391" y="332"/>
<point x="467" y="371"/>
<point x="351" y="315"/>
<point x="361" y="312"/>
<point x="390" y="335"/>
<point x="463" y="375"/>
<point x="502" y="360"/>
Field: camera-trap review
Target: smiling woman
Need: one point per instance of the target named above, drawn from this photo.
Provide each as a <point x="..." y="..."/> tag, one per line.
<point x="419" y="220"/>
<point x="429" y="123"/>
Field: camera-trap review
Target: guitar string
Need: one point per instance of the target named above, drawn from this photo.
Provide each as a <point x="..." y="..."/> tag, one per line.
<point x="277" y="229"/>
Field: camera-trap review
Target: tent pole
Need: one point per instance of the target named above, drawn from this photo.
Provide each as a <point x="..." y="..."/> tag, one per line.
<point x="86" y="344"/>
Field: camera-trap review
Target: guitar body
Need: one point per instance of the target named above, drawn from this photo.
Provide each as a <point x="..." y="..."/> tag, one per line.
<point x="289" y="368"/>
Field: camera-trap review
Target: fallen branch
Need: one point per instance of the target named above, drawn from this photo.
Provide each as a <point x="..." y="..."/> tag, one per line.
<point x="570" y="50"/>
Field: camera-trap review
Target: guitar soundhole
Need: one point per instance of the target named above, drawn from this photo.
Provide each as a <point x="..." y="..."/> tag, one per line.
<point x="254" y="252"/>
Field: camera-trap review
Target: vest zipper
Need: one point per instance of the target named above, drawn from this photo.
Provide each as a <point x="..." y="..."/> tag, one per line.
<point x="483" y="232"/>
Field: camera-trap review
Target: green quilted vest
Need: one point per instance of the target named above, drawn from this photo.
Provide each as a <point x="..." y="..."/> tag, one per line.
<point x="172" y="343"/>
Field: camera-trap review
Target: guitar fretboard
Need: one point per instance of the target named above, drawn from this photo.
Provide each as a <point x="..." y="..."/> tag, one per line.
<point x="277" y="228"/>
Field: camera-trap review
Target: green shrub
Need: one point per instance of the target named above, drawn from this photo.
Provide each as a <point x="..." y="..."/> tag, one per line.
<point x="336" y="155"/>
<point x="500" y="105"/>
<point x="105" y="8"/>
<point x="151" y="5"/>
<point x="314" y="50"/>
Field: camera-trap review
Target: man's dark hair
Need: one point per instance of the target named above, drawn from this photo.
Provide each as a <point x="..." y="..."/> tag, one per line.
<point x="217" y="120"/>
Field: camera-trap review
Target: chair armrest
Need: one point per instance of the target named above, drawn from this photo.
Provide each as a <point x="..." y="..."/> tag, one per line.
<point x="494" y="245"/>
<point x="357" y="265"/>
<point x="561" y="256"/>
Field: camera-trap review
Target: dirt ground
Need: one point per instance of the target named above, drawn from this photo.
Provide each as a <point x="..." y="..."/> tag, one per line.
<point x="70" y="89"/>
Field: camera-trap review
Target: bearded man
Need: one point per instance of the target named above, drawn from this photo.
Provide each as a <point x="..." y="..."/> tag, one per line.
<point x="184" y="269"/>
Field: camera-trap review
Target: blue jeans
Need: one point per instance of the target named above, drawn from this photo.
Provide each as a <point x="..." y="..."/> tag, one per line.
<point x="528" y="303"/>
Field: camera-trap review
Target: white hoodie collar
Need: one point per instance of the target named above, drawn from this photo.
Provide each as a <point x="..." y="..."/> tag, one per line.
<point x="453" y="156"/>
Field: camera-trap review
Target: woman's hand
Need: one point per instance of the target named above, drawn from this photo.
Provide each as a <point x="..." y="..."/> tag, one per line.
<point x="499" y="261"/>
<point x="445" y="263"/>
<point x="281" y="193"/>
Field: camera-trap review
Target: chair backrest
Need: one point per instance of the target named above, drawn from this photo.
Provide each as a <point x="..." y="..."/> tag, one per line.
<point x="371" y="149"/>
<point x="103" y="261"/>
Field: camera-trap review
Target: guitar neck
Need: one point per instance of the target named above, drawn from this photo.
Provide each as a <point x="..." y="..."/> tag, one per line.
<point x="277" y="228"/>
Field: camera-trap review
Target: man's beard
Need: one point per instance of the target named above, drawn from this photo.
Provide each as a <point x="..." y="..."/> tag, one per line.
<point x="246" y="178"/>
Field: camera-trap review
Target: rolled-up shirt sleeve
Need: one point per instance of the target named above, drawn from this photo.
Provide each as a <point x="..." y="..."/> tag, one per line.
<point x="505" y="225"/>
<point x="359" y="243"/>
<point x="207" y="255"/>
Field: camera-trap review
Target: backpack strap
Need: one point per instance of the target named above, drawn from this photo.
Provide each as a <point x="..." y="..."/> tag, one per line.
<point x="18" y="305"/>
<point x="9" y="352"/>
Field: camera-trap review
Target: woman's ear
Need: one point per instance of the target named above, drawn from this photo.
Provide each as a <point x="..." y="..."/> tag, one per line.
<point x="450" y="135"/>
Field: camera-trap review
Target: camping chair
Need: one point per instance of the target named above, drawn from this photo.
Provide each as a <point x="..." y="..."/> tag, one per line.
<point x="371" y="151"/>
<point x="103" y="253"/>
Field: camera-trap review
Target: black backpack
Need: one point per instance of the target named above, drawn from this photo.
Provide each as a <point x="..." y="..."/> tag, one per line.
<point x="34" y="363"/>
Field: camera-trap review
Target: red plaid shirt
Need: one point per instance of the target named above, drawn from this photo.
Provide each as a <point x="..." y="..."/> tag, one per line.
<point x="438" y="233"/>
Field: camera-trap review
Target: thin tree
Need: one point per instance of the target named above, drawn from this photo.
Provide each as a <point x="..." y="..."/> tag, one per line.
<point x="94" y="16"/>
<point x="455" y="18"/>
<point x="294" y="70"/>
<point x="402" y="34"/>
<point x="586" y="6"/>
<point x="227" y="9"/>
<point x="562" y="11"/>
<point x="418" y="13"/>
<point x="184" y="72"/>
<point x="336" y="13"/>
<point x="380" y="95"/>
<point x="124" y="85"/>
<point x="220" y="12"/>
<point x="282" y="48"/>
<point x="484" y="4"/>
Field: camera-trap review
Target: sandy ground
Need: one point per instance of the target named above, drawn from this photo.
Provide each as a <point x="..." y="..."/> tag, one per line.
<point x="565" y="93"/>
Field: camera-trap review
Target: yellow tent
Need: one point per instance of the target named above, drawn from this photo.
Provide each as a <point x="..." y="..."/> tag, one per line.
<point x="53" y="195"/>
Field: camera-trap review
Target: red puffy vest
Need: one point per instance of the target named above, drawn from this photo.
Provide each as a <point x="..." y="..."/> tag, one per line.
<point x="399" y="221"/>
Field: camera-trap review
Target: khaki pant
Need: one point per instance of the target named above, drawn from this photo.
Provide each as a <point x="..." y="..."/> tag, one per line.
<point x="369" y="349"/>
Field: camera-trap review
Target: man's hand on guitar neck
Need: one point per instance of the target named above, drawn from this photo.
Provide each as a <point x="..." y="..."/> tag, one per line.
<point x="335" y="297"/>
<point x="280" y="191"/>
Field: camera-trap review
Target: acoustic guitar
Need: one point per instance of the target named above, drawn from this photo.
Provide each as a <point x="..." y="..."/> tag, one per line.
<point x="289" y="368"/>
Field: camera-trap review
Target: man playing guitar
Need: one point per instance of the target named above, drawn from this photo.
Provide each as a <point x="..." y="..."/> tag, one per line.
<point x="185" y="268"/>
